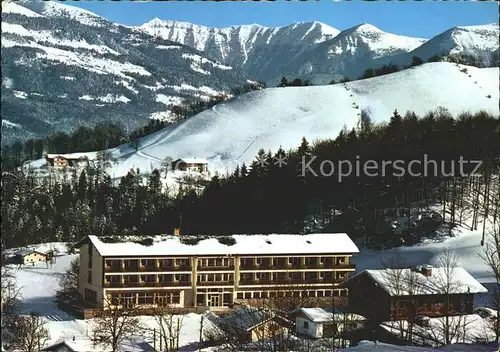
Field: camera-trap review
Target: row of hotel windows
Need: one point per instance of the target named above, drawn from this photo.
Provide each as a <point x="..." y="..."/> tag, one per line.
<point x="131" y="299"/>
<point x="225" y="262"/>
<point x="228" y="277"/>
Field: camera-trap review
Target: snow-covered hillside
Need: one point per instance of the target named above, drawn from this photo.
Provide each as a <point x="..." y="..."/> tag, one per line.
<point x="232" y="132"/>
<point x="63" y="67"/>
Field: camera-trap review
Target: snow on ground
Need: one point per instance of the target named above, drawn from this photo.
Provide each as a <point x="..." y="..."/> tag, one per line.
<point x="466" y="329"/>
<point x="465" y="243"/>
<point x="233" y="131"/>
<point x="370" y="346"/>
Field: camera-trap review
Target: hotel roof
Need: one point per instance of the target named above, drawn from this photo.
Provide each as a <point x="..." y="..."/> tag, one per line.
<point x="319" y="243"/>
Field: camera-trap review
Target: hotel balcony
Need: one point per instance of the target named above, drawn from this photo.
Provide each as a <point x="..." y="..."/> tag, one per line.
<point x="290" y="282"/>
<point x="174" y="268"/>
<point x="253" y="267"/>
<point x="215" y="283"/>
<point x="215" y="268"/>
<point x="146" y="284"/>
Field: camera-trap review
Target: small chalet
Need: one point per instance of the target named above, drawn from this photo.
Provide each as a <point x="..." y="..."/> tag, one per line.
<point x="67" y="160"/>
<point x="323" y="323"/>
<point x="29" y="256"/>
<point x="250" y="324"/>
<point x="423" y="291"/>
<point x="190" y="164"/>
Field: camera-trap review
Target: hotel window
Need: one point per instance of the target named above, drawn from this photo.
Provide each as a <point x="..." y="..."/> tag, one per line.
<point x="147" y="263"/>
<point x="90" y="255"/>
<point x="89" y="276"/>
<point x="246" y="261"/>
<point x="182" y="262"/>
<point x="239" y="295"/>
<point x="182" y="277"/>
<point x="248" y="295"/>
<point x="148" y="278"/>
<point x="166" y="263"/>
<point x="145" y="298"/>
<point x="165" y="278"/>
<point x="306" y="325"/>
<point x="90" y="295"/>
<point x="115" y="299"/>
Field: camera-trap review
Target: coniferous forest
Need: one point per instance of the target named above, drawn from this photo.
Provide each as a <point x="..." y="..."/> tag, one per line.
<point x="266" y="197"/>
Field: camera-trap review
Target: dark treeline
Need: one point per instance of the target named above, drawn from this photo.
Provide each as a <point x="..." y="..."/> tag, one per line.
<point x="105" y="135"/>
<point x="264" y="197"/>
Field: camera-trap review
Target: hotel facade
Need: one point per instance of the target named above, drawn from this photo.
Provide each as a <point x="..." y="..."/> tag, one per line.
<point x="213" y="274"/>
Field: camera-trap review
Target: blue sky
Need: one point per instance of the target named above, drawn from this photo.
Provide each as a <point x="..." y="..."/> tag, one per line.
<point x="418" y="19"/>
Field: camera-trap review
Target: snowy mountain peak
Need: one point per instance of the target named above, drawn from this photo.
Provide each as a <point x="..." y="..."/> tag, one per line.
<point x="12" y="7"/>
<point x="57" y="9"/>
<point x="478" y="41"/>
<point x="363" y="28"/>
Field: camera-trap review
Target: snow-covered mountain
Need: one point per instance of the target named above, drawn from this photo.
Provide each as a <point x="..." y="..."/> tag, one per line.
<point x="232" y="132"/>
<point x="260" y="51"/>
<point x="317" y="51"/>
<point x="63" y="67"/>
<point x="478" y="41"/>
<point x="351" y="52"/>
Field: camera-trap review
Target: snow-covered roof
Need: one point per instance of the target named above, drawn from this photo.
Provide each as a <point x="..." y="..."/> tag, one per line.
<point x="399" y="282"/>
<point x="85" y="344"/>
<point x="318" y="243"/>
<point x="193" y="160"/>
<point x="70" y="156"/>
<point x="325" y="315"/>
<point x="24" y="252"/>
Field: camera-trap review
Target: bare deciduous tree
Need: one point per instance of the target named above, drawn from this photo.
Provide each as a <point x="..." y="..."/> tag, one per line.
<point x="10" y="295"/>
<point x="166" y="164"/>
<point x="402" y="281"/>
<point x="451" y="327"/>
<point x="68" y="283"/>
<point x="114" y="324"/>
<point x="249" y="327"/>
<point x="170" y="322"/>
<point x="491" y="256"/>
<point x="29" y="333"/>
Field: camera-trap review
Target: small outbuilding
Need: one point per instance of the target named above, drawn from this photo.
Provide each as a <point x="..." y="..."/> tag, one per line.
<point x="320" y="323"/>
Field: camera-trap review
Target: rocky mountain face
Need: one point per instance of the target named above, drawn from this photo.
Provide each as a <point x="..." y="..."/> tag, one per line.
<point x="318" y="51"/>
<point x="64" y="67"/>
<point x="261" y="51"/>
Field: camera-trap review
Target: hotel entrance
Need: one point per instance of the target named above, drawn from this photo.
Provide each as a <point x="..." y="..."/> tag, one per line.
<point x="214" y="299"/>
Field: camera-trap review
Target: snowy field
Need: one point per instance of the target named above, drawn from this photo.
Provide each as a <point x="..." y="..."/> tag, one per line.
<point x="232" y="132"/>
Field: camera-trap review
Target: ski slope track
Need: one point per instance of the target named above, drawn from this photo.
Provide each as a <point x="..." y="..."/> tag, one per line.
<point x="233" y="131"/>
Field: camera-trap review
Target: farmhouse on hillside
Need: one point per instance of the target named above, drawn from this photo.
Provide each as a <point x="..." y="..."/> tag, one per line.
<point x="322" y="323"/>
<point x="423" y="291"/>
<point x="67" y="160"/>
<point x="190" y="164"/>
<point x="213" y="274"/>
<point x="30" y="256"/>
